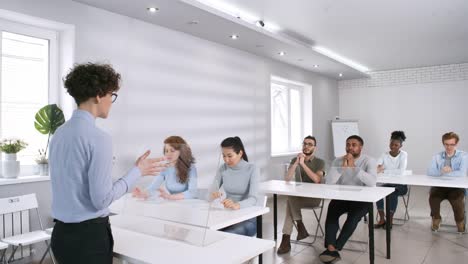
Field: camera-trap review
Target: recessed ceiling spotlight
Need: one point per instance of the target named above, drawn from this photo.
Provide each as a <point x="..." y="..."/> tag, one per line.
<point x="341" y="74"/>
<point x="152" y="9"/>
<point x="299" y="59"/>
<point x="281" y="53"/>
<point x="259" y="46"/>
<point x="193" y="22"/>
<point x="315" y="65"/>
<point x="234" y="36"/>
<point x="260" y="23"/>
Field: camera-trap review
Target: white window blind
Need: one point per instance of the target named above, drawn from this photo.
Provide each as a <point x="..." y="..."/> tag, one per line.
<point x="24" y="89"/>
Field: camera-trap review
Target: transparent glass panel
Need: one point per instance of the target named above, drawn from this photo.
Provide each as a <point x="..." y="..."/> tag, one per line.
<point x="172" y="198"/>
<point x="24" y="90"/>
<point x="343" y="176"/>
<point x="192" y="235"/>
<point x="292" y="174"/>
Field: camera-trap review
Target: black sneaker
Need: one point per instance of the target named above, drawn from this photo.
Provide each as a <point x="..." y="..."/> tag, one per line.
<point x="329" y="256"/>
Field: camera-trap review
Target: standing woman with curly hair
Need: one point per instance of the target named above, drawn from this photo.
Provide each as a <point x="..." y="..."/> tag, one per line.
<point x="180" y="177"/>
<point x="81" y="170"/>
<point x="393" y="162"/>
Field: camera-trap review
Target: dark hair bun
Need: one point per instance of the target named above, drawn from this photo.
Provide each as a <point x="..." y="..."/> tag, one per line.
<point x="400" y="135"/>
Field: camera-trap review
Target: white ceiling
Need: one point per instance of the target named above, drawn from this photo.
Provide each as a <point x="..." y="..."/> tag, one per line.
<point x="217" y="27"/>
<point x="377" y="34"/>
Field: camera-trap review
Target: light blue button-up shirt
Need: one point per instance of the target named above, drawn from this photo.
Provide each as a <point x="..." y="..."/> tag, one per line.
<point x="80" y="161"/>
<point x="459" y="164"/>
<point x="173" y="186"/>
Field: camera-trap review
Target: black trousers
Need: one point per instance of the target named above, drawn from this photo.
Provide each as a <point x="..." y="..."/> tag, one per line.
<point x="87" y="242"/>
<point x="355" y="210"/>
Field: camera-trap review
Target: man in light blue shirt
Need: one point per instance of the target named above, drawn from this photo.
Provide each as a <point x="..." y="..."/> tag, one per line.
<point x="451" y="163"/>
<point x="80" y="170"/>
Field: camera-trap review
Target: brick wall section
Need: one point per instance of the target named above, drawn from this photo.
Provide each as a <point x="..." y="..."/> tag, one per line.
<point x="440" y="73"/>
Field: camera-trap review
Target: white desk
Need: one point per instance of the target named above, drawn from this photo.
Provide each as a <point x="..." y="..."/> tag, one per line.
<point x="192" y="212"/>
<point x="138" y="247"/>
<point x="424" y="180"/>
<point x="336" y="192"/>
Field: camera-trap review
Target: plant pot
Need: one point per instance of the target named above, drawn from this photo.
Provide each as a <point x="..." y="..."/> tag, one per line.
<point x="44" y="169"/>
<point x="10" y="166"/>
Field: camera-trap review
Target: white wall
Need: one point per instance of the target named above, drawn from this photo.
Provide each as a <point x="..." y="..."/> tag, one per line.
<point x="174" y="83"/>
<point x="424" y="102"/>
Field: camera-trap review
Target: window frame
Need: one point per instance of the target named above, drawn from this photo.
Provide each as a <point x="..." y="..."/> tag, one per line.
<point x="305" y="93"/>
<point x="37" y="32"/>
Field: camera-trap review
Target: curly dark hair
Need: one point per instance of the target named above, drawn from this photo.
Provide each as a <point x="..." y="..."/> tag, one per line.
<point x="398" y="135"/>
<point x="89" y="80"/>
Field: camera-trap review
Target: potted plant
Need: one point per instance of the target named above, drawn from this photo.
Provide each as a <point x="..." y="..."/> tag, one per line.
<point x="47" y="120"/>
<point x="42" y="162"/>
<point x="10" y="164"/>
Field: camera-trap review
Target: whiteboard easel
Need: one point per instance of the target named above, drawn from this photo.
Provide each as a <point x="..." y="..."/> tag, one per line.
<point x="341" y="130"/>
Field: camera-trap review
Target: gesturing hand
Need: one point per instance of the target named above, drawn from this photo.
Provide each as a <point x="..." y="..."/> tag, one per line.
<point x="150" y="167"/>
<point x="138" y="193"/>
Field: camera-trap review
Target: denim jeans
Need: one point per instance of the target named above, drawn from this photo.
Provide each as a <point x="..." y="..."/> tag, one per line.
<point x="393" y="197"/>
<point x="246" y="228"/>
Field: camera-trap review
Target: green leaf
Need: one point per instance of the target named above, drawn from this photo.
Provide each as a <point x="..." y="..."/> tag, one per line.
<point x="48" y="119"/>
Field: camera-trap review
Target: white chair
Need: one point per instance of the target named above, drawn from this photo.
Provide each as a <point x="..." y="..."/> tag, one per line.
<point x="3" y="249"/>
<point x="318" y="218"/>
<point x="405" y="199"/>
<point x="19" y="204"/>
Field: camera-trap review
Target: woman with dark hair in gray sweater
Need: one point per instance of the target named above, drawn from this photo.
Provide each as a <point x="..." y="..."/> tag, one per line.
<point x="240" y="181"/>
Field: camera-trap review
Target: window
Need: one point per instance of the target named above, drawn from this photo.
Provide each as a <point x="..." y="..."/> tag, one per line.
<point x="291" y="115"/>
<point x="27" y="81"/>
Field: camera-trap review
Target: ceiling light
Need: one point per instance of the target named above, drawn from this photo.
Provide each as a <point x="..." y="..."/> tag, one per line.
<point x="281" y="53"/>
<point x="193" y="22"/>
<point x="152" y="9"/>
<point x="341" y="74"/>
<point x="299" y="59"/>
<point x="260" y="23"/>
<point x="234" y="36"/>
<point x="259" y="46"/>
<point x="315" y="65"/>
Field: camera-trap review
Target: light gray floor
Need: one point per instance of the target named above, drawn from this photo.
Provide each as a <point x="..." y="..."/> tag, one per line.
<point x="412" y="243"/>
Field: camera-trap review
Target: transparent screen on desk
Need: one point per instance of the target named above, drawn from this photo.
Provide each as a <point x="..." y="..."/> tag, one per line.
<point x="292" y="173"/>
<point x="173" y="195"/>
<point x="343" y="176"/>
<point x="195" y="236"/>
